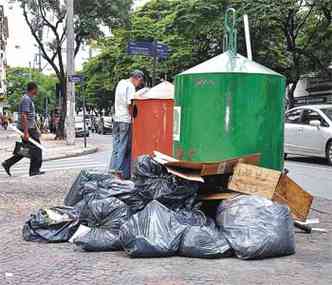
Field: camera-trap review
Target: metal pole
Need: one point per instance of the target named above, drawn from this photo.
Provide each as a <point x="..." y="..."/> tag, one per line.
<point x="70" y="118"/>
<point x="154" y="63"/>
<point x="247" y="33"/>
<point x="84" y="115"/>
<point x="39" y="50"/>
<point x="30" y="71"/>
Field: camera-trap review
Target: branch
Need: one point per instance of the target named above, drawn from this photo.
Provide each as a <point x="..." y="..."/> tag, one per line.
<point x="304" y="21"/>
<point x="315" y="59"/>
<point x="40" y="44"/>
<point x="55" y="31"/>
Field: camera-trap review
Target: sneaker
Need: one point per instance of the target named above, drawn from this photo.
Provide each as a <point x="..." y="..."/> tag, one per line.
<point x="37" y="173"/>
<point x="6" y="168"/>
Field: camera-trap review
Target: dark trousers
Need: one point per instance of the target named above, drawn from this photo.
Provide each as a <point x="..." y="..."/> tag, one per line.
<point x="35" y="153"/>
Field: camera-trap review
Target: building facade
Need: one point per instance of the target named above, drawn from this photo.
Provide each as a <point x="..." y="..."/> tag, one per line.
<point x="3" y="59"/>
<point x="313" y="89"/>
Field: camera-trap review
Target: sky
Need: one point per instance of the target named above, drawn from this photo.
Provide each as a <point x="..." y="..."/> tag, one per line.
<point x="21" y="46"/>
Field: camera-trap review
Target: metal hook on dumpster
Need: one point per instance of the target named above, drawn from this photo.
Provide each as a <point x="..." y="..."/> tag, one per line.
<point x="230" y="37"/>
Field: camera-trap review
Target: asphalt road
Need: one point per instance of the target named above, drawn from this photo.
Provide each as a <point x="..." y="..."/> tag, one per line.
<point x="313" y="174"/>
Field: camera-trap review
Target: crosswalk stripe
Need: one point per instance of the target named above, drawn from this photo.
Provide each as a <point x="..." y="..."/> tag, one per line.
<point x="80" y="164"/>
<point x="17" y="173"/>
<point x="44" y="168"/>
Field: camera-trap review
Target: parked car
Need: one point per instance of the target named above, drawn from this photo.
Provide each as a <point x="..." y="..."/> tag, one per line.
<point x="105" y="125"/>
<point x="308" y="131"/>
<point x="79" y="127"/>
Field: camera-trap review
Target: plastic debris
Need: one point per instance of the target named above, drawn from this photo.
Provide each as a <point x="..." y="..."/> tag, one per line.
<point x="56" y="224"/>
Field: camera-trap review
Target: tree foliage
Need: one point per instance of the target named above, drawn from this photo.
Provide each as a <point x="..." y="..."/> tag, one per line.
<point x="291" y="37"/>
<point x="49" y="17"/>
<point x="18" y="77"/>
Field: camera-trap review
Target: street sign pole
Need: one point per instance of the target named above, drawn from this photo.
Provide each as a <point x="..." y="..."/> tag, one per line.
<point x="152" y="49"/>
<point x="154" y="63"/>
<point x="70" y="116"/>
<point x="82" y="93"/>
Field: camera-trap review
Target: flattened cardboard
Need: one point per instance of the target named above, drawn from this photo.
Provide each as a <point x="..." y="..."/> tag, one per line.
<point x="196" y="171"/>
<point x="273" y="185"/>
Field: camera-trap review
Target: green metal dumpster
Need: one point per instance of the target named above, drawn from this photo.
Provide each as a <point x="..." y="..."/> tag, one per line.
<point x="229" y="106"/>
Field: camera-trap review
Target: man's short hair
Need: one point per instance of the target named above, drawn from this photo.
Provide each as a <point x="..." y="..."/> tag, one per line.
<point x="138" y="74"/>
<point x="32" y="86"/>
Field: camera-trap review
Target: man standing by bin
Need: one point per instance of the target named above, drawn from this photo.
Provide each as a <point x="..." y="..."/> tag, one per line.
<point x="27" y="124"/>
<point x="124" y="94"/>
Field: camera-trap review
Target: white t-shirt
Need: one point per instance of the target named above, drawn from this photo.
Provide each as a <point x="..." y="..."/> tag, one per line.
<point x="124" y="93"/>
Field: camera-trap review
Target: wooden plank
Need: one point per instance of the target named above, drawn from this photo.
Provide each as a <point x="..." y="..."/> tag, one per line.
<point x="298" y="200"/>
<point x="254" y="180"/>
<point x="218" y="196"/>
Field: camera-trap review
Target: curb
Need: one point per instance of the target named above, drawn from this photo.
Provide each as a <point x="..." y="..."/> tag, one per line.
<point x="85" y="152"/>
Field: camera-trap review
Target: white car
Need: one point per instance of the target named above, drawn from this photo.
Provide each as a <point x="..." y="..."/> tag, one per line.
<point x="308" y="131"/>
<point x="79" y="128"/>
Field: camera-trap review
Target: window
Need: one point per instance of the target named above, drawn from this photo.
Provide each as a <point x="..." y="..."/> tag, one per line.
<point x="294" y="117"/>
<point x="328" y="112"/>
<point x="311" y="115"/>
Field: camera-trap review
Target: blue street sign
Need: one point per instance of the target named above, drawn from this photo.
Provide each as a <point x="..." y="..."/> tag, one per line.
<point x="76" y="78"/>
<point x="141" y="48"/>
<point x="148" y="49"/>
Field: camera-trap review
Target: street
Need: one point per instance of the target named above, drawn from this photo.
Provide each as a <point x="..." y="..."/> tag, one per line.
<point x="313" y="174"/>
<point x="25" y="262"/>
<point x="234" y="86"/>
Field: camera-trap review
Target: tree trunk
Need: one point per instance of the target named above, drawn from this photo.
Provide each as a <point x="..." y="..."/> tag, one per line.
<point x="60" y="133"/>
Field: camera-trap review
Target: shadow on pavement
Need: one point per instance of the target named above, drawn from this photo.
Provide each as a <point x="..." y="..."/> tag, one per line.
<point x="308" y="159"/>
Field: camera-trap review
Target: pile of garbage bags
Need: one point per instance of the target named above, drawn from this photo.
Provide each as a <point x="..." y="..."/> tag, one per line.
<point x="157" y="215"/>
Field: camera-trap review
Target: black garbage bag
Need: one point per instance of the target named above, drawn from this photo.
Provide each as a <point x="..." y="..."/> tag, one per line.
<point x="56" y="224"/>
<point x="205" y="241"/>
<point x="86" y="182"/>
<point x="105" y="217"/>
<point x="173" y="192"/>
<point x="194" y="217"/>
<point x="256" y="227"/>
<point x="99" y="239"/>
<point x="152" y="232"/>
<point x="125" y="191"/>
<point x="153" y="182"/>
<point x="145" y="167"/>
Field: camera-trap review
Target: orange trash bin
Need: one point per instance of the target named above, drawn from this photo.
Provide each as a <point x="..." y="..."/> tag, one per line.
<point x="153" y="121"/>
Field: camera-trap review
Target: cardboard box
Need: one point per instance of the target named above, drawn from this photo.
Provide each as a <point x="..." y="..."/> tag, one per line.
<point x="196" y="171"/>
<point x="273" y="185"/>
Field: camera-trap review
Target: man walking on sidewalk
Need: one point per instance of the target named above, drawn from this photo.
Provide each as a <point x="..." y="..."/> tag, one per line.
<point x="124" y="94"/>
<point x="27" y="124"/>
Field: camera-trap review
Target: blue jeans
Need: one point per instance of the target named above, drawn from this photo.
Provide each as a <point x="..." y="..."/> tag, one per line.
<point x="121" y="155"/>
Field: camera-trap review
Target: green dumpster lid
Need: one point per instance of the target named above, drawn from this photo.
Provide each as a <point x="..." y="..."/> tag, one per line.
<point x="227" y="63"/>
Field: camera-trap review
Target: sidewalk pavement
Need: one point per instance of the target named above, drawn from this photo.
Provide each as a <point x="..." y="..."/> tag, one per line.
<point x="28" y="263"/>
<point x="55" y="149"/>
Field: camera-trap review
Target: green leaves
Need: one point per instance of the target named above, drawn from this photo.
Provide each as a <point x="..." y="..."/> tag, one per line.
<point x="18" y="78"/>
<point x="291" y="37"/>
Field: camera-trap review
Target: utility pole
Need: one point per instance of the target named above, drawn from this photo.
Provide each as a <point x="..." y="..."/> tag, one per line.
<point x="39" y="50"/>
<point x="70" y="119"/>
<point x="155" y="58"/>
<point x="30" y="71"/>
